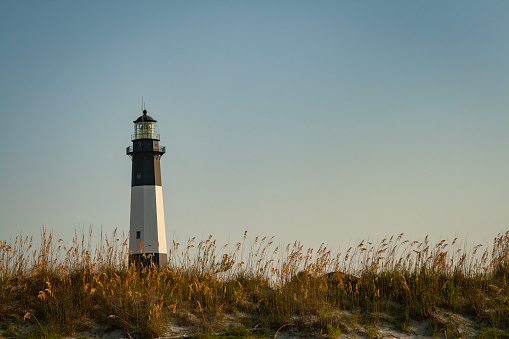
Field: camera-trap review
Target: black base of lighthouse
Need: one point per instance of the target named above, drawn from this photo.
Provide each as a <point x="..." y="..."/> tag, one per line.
<point x="147" y="259"/>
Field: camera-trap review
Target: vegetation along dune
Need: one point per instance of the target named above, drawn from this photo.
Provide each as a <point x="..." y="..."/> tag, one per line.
<point x="83" y="288"/>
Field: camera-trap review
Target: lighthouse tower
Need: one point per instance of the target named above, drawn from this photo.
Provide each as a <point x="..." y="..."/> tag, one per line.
<point x="147" y="241"/>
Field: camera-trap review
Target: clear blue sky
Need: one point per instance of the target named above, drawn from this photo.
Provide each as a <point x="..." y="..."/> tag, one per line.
<point x="318" y="121"/>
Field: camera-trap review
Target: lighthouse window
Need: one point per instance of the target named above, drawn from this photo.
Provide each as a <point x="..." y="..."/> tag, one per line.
<point x="138" y="175"/>
<point x="138" y="234"/>
<point x="145" y="130"/>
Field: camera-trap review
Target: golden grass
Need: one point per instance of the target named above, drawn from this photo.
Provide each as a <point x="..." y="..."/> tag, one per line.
<point x="68" y="288"/>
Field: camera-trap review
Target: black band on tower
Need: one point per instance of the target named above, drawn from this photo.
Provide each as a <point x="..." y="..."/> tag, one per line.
<point x="146" y="259"/>
<point x="146" y="169"/>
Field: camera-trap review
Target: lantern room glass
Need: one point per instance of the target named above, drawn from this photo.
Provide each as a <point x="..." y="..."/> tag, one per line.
<point x="145" y="130"/>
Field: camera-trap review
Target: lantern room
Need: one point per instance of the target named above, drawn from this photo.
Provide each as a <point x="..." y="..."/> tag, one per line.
<point x="145" y="127"/>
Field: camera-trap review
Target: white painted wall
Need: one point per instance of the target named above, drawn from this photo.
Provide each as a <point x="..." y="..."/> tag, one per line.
<point x="147" y="216"/>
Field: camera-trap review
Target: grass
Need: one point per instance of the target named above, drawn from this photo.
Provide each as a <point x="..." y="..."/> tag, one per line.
<point x="251" y="290"/>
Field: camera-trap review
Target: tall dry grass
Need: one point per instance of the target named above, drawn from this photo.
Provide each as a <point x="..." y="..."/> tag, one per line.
<point x="69" y="288"/>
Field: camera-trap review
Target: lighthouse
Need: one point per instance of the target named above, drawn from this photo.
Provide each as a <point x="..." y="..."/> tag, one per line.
<point x="147" y="239"/>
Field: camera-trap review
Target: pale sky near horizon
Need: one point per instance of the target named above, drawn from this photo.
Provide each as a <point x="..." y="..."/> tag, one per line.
<point x="318" y="121"/>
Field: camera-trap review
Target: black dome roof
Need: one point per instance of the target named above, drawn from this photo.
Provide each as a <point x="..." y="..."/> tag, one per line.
<point x="145" y="118"/>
